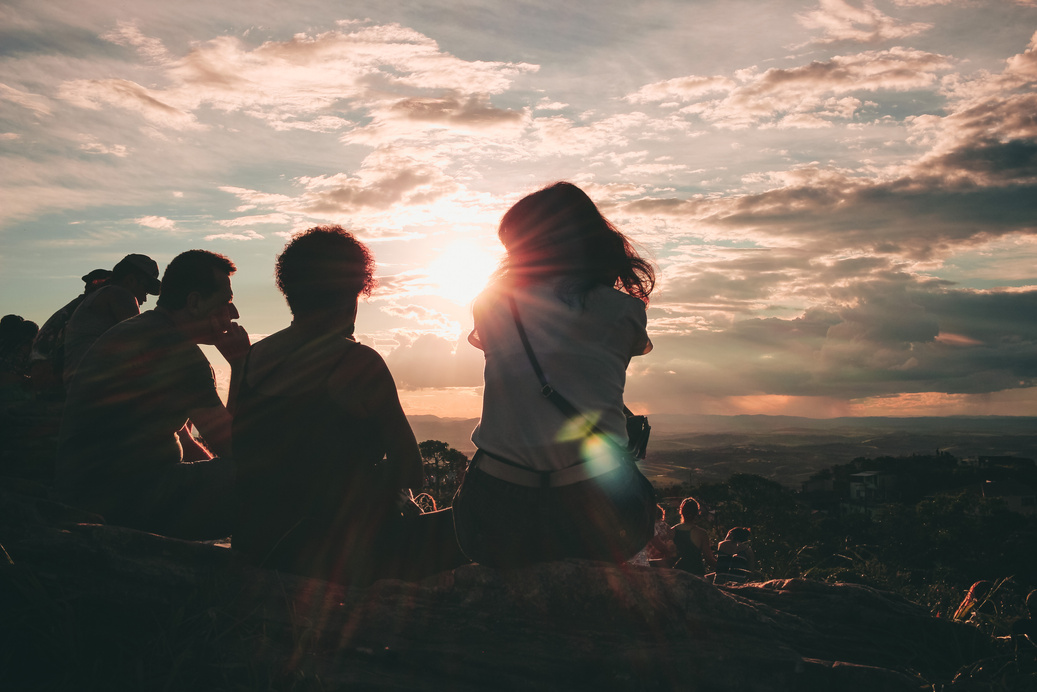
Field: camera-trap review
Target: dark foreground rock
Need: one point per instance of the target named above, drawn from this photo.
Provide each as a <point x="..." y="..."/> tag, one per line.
<point x="85" y="606"/>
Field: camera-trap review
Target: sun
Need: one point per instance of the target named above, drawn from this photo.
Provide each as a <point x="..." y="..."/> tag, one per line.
<point x="460" y="271"/>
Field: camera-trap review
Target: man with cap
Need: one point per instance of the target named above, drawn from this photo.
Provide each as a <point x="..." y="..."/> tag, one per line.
<point x="132" y="280"/>
<point x="120" y="453"/>
<point x="47" y="359"/>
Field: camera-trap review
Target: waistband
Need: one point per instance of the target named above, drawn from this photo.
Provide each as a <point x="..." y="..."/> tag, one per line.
<point x="511" y="472"/>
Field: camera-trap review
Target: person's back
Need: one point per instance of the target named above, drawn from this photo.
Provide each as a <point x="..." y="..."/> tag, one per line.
<point x="124" y="408"/>
<point x="310" y="436"/>
<point x="133" y="278"/>
<point x="324" y="449"/>
<point x="48" y="348"/>
<point x="583" y="348"/>
<point x="551" y="478"/>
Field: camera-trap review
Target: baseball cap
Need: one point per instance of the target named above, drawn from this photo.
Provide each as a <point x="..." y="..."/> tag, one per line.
<point x="146" y="266"/>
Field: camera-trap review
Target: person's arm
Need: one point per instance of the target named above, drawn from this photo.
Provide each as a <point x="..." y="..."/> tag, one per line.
<point x="214" y="423"/>
<point x="193" y="450"/>
<point x="233" y="345"/>
<point x="702" y="541"/>
<point x="363" y="383"/>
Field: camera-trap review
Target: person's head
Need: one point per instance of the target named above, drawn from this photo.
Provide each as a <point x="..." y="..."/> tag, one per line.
<point x="558" y="232"/>
<point x="16" y="335"/>
<point x="96" y="279"/>
<point x="324" y="269"/>
<point x="689" y="509"/>
<point x="196" y="286"/>
<point x="739" y="534"/>
<point x="137" y="274"/>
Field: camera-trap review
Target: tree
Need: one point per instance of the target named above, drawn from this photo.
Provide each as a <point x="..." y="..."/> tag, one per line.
<point x="444" y="469"/>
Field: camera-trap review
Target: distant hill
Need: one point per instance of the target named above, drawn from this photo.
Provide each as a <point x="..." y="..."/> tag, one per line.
<point x="788" y="449"/>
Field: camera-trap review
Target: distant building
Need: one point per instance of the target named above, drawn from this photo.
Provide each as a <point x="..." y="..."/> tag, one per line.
<point x="869" y="492"/>
<point x="1018" y="498"/>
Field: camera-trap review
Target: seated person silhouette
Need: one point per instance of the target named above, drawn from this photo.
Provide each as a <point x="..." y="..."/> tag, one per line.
<point x="119" y="454"/>
<point x="691" y="541"/>
<point x="324" y="448"/>
<point x="132" y="279"/>
<point x="48" y="348"/>
<point x="16" y="335"/>
<point x="735" y="558"/>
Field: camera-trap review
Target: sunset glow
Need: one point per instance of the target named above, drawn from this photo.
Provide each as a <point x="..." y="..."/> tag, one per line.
<point x="840" y="195"/>
<point x="460" y="272"/>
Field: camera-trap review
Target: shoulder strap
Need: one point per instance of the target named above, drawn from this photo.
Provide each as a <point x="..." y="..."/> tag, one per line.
<point x="549" y="392"/>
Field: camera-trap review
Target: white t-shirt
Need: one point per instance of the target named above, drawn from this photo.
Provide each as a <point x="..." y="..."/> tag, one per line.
<point x="583" y="351"/>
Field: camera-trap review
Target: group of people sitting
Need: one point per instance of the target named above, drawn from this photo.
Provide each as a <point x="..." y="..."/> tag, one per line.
<point x="687" y="546"/>
<point x="311" y="463"/>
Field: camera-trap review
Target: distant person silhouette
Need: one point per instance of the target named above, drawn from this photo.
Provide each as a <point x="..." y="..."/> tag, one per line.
<point x="119" y="452"/>
<point x="324" y="449"/>
<point x="544" y="485"/>
<point x="660" y="551"/>
<point x="47" y="359"/>
<point x="694" y="552"/>
<point x="132" y="279"/>
<point x="735" y="558"/>
<point x="16" y="335"/>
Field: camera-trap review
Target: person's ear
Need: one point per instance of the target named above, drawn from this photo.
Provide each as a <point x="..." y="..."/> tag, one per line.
<point x="194" y="300"/>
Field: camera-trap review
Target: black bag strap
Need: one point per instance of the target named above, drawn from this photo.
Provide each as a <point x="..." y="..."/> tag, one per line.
<point x="552" y="394"/>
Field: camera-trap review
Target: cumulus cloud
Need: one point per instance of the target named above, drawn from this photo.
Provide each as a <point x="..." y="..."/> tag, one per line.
<point x="291" y="84"/>
<point x="820" y="90"/>
<point x="416" y="117"/>
<point x="157" y="222"/>
<point x="391" y="195"/>
<point x="838" y="20"/>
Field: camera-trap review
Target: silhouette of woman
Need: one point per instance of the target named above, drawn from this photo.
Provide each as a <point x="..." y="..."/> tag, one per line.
<point x="543" y="485"/>
<point x="694" y="553"/>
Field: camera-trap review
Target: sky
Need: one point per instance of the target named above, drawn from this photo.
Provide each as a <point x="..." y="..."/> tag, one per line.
<point x="840" y="197"/>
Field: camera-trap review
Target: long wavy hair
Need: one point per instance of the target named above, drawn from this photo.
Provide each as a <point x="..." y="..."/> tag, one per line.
<point x="558" y="232"/>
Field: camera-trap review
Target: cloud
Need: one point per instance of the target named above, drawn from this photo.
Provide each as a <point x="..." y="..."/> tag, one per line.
<point x="158" y="222"/>
<point x="381" y="183"/>
<point x="244" y="235"/>
<point x="812" y="91"/>
<point x="840" y="21"/>
<point x="430" y="361"/>
<point x="454" y="114"/>
<point x="391" y="195"/>
<point x="887" y="342"/>
<point x="256" y="219"/>
<point x="34" y="102"/>
<point x="95" y="94"/>
<point x="119" y="150"/>
<point x="291" y="84"/>
<point x="681" y="88"/>
<point x="129" y="34"/>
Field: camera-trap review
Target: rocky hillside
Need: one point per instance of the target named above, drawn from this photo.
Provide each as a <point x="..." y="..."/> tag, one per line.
<point x="85" y="606"/>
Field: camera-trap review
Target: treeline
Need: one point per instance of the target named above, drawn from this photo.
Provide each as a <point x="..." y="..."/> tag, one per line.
<point x="933" y="536"/>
